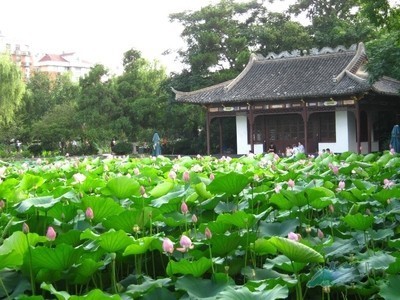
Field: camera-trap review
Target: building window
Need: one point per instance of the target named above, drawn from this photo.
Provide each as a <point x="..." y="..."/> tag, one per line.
<point x="322" y="127"/>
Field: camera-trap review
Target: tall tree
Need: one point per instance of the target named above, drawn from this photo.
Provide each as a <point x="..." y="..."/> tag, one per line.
<point x="12" y="89"/>
<point x="334" y="22"/>
<point x="97" y="105"/>
<point x="140" y="96"/>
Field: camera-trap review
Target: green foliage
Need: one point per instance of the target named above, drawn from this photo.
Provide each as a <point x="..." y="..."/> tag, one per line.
<point x="122" y="148"/>
<point x="12" y="89"/>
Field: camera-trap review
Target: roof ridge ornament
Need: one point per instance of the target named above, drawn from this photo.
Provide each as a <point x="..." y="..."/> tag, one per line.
<point x="312" y="51"/>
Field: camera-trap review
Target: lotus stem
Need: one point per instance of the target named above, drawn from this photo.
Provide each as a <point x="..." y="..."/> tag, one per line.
<point x="4" y="288"/>
<point x="30" y="266"/>
<point x="113" y="275"/>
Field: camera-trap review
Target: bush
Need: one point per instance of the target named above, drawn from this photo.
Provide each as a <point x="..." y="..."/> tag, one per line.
<point x="122" y="148"/>
<point x="35" y="149"/>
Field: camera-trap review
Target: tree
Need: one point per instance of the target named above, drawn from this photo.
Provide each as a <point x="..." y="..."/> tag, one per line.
<point x="334" y="22"/>
<point x="97" y="105"/>
<point x="140" y="96"/>
<point x="12" y="89"/>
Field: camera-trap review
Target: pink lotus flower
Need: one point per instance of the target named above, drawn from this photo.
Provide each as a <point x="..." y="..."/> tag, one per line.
<point x="392" y="151"/>
<point x="387" y="183"/>
<point x="212" y="176"/>
<point x="184" y="208"/>
<point x="335" y="169"/>
<point x="290" y="183"/>
<point x="168" y="246"/>
<point x="294" y="236"/>
<point x="186" y="244"/>
<point x="341" y="185"/>
<point x="89" y="213"/>
<point x="51" y="233"/>
<point x="207" y="233"/>
<point x="186" y="176"/>
<point x="172" y="175"/>
<point x="278" y="189"/>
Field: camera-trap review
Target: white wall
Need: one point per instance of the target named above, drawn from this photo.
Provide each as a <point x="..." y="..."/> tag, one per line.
<point x="243" y="147"/>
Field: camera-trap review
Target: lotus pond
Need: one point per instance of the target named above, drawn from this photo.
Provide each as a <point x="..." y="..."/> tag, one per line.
<point x="254" y="227"/>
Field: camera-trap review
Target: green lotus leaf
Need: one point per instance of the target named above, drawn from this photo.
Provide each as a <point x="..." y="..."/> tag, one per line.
<point x="18" y="242"/>
<point x="162" y="189"/>
<point x="259" y="274"/>
<point x="113" y="241"/>
<point x="11" y="260"/>
<point x="30" y="181"/>
<point x="243" y="293"/>
<point x="222" y="244"/>
<point x="185" y="267"/>
<point x="139" y="246"/>
<point x="283" y="263"/>
<point x="359" y="221"/>
<point x="201" y="190"/>
<point x="393" y="163"/>
<point x="239" y="219"/>
<point x="376" y="261"/>
<point x="394" y="267"/>
<point x="61" y="295"/>
<point x="102" y="207"/>
<point x="296" y="251"/>
<point x="39" y="202"/>
<point x="64" y="212"/>
<point x="148" y="284"/>
<point x="96" y="294"/>
<point x="390" y="288"/>
<point x="316" y="193"/>
<point x="326" y="277"/>
<point x="199" y="288"/>
<point x="123" y="187"/>
<point x="83" y="272"/>
<point x="71" y="237"/>
<point x="129" y="218"/>
<point x="384" y="159"/>
<point x="341" y="247"/>
<point x="59" y="258"/>
<point x="231" y="184"/>
<point x="278" y="229"/>
<point x="263" y="247"/>
<point x="385" y="194"/>
<point x="169" y="202"/>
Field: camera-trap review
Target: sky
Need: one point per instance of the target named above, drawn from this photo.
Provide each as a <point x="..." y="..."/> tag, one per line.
<point x="100" y="31"/>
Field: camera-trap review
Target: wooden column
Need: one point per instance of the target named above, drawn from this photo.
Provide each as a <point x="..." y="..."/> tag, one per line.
<point x="220" y="135"/>
<point x="369" y="126"/>
<point x="358" y="128"/>
<point x="305" y="121"/>
<point x="208" y="130"/>
<point x="251" y="122"/>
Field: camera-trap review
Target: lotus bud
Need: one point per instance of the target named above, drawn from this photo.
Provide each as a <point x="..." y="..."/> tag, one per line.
<point x="186" y="176"/>
<point x="278" y="189"/>
<point x="2" y="204"/>
<point x="341" y="185"/>
<point x="290" y="183"/>
<point x="51" y="233"/>
<point x="331" y="208"/>
<point x="293" y="236"/>
<point x="25" y="228"/>
<point x="136" y="228"/>
<point x="142" y="190"/>
<point x="194" y="219"/>
<point x="168" y="246"/>
<point x="136" y="171"/>
<point x="186" y="242"/>
<point x="212" y="176"/>
<point x="172" y="175"/>
<point x="308" y="229"/>
<point x="184" y="208"/>
<point x="320" y="234"/>
<point x="207" y="233"/>
<point x="226" y="269"/>
<point x="89" y="213"/>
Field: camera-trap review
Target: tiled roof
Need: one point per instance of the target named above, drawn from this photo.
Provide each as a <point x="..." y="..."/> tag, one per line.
<point x="323" y="75"/>
<point x="53" y="57"/>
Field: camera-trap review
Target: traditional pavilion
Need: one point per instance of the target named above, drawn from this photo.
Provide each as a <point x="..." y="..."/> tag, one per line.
<point x="322" y="99"/>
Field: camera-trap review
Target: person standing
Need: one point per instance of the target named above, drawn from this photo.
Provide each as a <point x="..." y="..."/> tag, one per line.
<point x="156" y="144"/>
